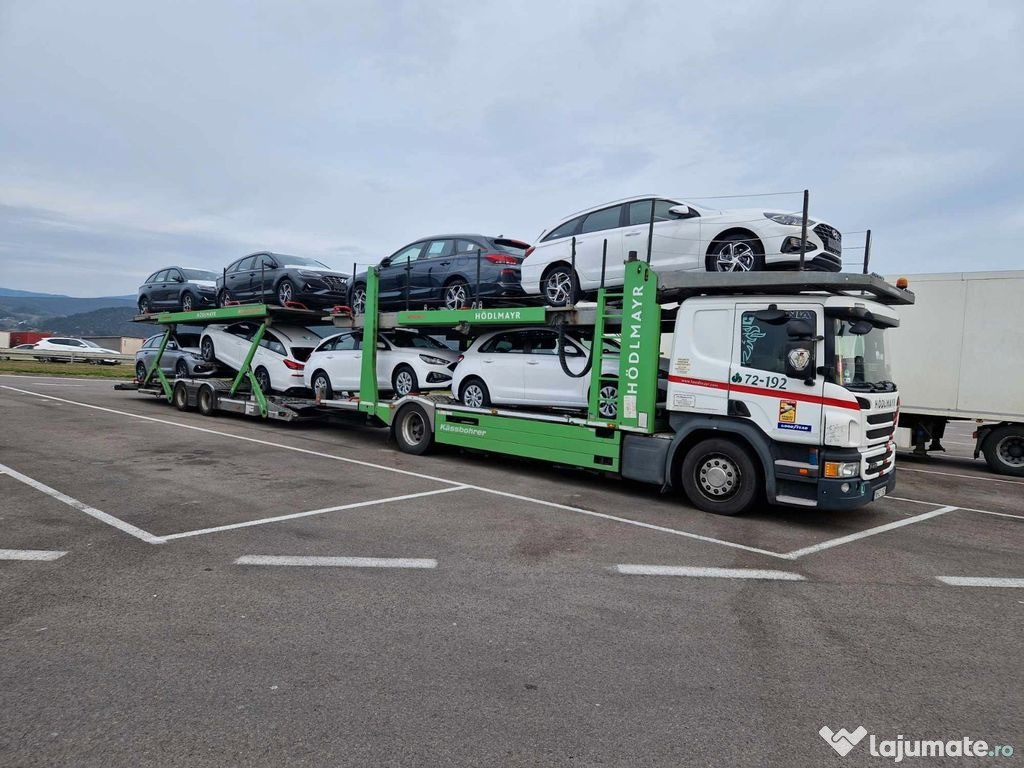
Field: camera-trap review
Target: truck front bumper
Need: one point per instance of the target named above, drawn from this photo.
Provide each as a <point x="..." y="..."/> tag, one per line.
<point x="831" y="494"/>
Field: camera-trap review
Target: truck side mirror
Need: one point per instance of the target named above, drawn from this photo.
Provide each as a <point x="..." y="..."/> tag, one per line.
<point x="800" y="360"/>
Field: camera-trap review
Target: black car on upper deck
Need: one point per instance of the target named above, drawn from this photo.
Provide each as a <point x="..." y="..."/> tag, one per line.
<point x="276" y="278"/>
<point x="442" y="271"/>
<point x="173" y="288"/>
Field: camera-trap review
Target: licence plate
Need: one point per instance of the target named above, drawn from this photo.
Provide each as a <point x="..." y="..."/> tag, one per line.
<point x="879" y="493"/>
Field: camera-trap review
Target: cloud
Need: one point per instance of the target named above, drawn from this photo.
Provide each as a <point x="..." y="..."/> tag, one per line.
<point x="136" y="135"/>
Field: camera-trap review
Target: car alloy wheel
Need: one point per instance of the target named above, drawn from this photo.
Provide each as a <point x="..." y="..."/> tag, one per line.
<point x="456" y="295"/>
<point x="285" y="293"/>
<point x="263" y="379"/>
<point x="608" y="401"/>
<point x="187" y="303"/>
<point x="474" y="395"/>
<point x="359" y="300"/>
<point x="735" y="257"/>
<point x="322" y="386"/>
<point x="207" y="350"/>
<point x="181" y="369"/>
<point x="143" y="306"/>
<point x="223" y="298"/>
<point x="140" y="371"/>
<point x="405" y="381"/>
<point x="559" y="288"/>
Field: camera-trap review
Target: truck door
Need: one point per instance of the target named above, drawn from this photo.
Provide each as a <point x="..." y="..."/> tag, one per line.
<point x="786" y="408"/>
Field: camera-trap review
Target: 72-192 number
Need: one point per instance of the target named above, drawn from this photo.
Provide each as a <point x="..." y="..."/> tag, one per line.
<point x="771" y="382"/>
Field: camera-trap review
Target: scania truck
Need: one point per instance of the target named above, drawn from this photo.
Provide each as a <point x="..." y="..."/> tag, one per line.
<point x="776" y="387"/>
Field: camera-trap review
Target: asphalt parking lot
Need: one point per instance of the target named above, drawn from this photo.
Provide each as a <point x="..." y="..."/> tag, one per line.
<point x="181" y="589"/>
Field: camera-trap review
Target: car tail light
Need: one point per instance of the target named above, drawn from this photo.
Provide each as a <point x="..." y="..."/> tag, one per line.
<point x="293" y="365"/>
<point x="501" y="258"/>
<point x="529" y="250"/>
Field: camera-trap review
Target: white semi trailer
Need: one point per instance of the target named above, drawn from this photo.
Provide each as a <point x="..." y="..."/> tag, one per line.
<point x="959" y="355"/>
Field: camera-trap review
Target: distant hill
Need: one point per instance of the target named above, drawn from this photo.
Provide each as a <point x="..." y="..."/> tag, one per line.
<point x="16" y="292"/>
<point x="108" y="321"/>
<point x="23" y="312"/>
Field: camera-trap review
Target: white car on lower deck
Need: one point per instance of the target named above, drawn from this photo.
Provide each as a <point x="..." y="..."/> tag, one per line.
<point x="520" y="366"/>
<point x="279" y="360"/>
<point x="685" y="237"/>
<point x="407" y="361"/>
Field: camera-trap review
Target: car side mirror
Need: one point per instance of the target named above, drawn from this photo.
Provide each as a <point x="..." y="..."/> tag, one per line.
<point x="386" y="262"/>
<point x="681" y="210"/>
<point x="800" y="360"/>
<point x="179" y="279"/>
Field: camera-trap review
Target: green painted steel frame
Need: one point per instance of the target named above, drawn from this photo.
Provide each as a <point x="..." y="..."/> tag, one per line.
<point x="155" y="367"/>
<point x="241" y="312"/>
<point x="494" y="316"/>
<point x="368" y="392"/>
<point x="246" y="372"/>
<point x="640" y="353"/>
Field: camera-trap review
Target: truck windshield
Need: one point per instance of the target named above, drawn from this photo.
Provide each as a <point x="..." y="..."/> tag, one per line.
<point x="859" y="359"/>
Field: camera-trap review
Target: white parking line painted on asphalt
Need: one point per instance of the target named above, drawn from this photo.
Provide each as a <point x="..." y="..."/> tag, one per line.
<point x="966" y="477"/>
<point x="981" y="581"/>
<point x="310" y="513"/>
<point x="962" y="509"/>
<point x="344" y="562"/>
<point x="31" y="554"/>
<point x="458" y="485"/>
<point x="869" y="532"/>
<point x="628" y="521"/>
<point x="121" y="525"/>
<point x="713" y="573"/>
<point x="60" y="379"/>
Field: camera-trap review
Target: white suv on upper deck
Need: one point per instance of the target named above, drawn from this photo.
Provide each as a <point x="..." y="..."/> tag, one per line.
<point x="685" y="236"/>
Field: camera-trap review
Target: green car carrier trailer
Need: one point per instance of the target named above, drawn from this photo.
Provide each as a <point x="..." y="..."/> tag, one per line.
<point x="757" y="402"/>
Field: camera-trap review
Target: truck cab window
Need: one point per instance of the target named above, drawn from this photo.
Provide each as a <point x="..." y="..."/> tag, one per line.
<point x="763" y="346"/>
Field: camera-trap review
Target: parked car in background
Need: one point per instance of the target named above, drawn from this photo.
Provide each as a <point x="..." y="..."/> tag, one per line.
<point x="275" y="278"/>
<point x="521" y="367"/>
<point x="180" y="360"/>
<point x="64" y="349"/>
<point x="686" y="237"/>
<point x="280" y="357"/>
<point x="407" y="361"/>
<point x="442" y="271"/>
<point x="178" y="288"/>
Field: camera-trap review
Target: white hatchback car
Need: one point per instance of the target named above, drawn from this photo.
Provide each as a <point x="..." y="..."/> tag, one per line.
<point x="280" y="357"/>
<point x="65" y="349"/>
<point x="685" y="236"/>
<point x="407" y="361"/>
<point x="521" y="367"/>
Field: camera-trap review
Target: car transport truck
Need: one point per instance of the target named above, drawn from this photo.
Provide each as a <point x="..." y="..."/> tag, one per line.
<point x="959" y="356"/>
<point x="762" y="401"/>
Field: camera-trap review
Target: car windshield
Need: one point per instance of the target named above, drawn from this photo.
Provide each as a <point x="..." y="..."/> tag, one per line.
<point x="859" y="359"/>
<point x="302" y="353"/>
<point x="414" y="340"/>
<point x="199" y="274"/>
<point x="301" y="261"/>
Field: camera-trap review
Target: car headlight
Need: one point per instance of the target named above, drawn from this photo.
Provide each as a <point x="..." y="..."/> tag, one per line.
<point x="789" y="219"/>
<point x="434" y="360"/>
<point x="842" y="468"/>
<point x="207" y="289"/>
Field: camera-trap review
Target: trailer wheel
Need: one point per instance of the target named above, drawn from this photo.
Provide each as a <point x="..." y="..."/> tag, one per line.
<point x="1004" y="450"/>
<point x="412" y="430"/>
<point x="180" y="396"/>
<point x="719" y="476"/>
<point x="207" y="400"/>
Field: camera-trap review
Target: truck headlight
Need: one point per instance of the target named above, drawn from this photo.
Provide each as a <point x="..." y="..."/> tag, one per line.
<point x="789" y="219"/>
<point x="842" y="468"/>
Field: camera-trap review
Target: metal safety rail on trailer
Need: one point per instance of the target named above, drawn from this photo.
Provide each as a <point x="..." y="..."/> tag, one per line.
<point x="242" y="393"/>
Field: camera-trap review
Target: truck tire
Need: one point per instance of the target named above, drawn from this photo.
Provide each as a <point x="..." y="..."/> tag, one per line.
<point x="412" y="430"/>
<point x="206" y="399"/>
<point x="719" y="476"/>
<point x="180" y="396"/>
<point x="1004" y="450"/>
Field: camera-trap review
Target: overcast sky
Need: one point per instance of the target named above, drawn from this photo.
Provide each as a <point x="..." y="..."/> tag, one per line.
<point x="134" y="135"/>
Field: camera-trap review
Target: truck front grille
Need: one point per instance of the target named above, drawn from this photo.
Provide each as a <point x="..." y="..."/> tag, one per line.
<point x="878" y="463"/>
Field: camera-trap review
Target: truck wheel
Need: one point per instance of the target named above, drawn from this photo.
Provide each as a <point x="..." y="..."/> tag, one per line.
<point x="720" y="477"/>
<point x="207" y="400"/>
<point x="1004" y="450"/>
<point x="412" y="430"/>
<point x="180" y="396"/>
